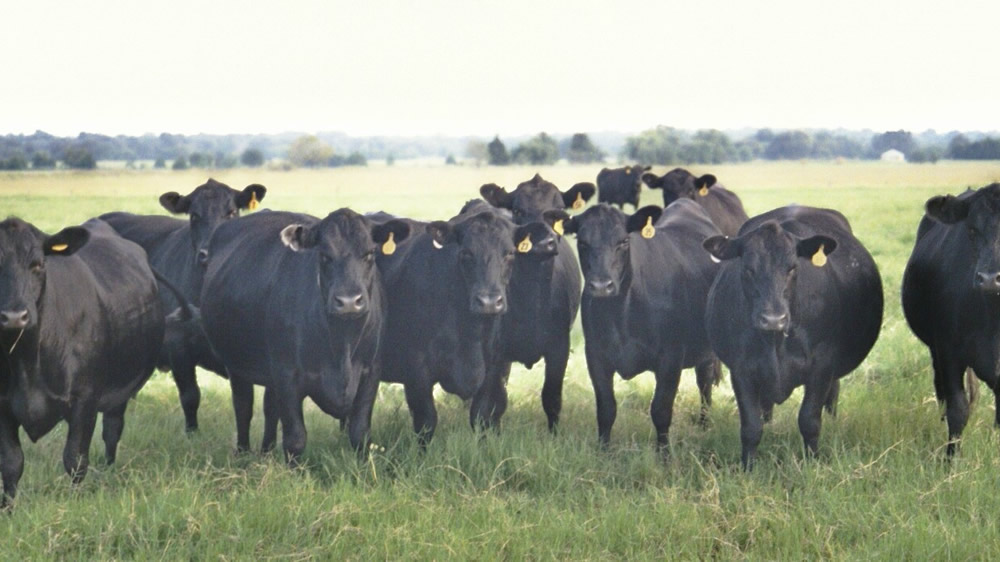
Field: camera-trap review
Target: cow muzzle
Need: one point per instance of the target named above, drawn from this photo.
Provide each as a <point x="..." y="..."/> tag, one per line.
<point x="773" y="322"/>
<point x="601" y="288"/>
<point x="350" y="305"/>
<point x="14" y="319"/>
<point x="988" y="282"/>
<point x="489" y="303"/>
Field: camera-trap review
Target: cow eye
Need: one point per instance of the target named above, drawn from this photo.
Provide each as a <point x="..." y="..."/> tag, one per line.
<point x="972" y="231"/>
<point x="369" y="256"/>
<point x="36" y="267"/>
<point x="232" y="213"/>
<point x="324" y="259"/>
<point x="623" y="244"/>
<point x="747" y="273"/>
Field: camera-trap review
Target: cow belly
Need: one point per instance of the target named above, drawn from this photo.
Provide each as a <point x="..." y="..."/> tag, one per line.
<point x="36" y="413"/>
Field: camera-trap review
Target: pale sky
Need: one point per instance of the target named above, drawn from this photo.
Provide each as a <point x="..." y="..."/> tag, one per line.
<point x="508" y="67"/>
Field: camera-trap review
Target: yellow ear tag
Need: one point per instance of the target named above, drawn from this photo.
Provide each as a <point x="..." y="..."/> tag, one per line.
<point x="819" y="258"/>
<point x="60" y="247"/>
<point x="628" y="170"/>
<point x="390" y="246"/>
<point x="579" y="202"/>
<point x="648" y="231"/>
<point x="557" y="226"/>
<point x="252" y="205"/>
<point x="703" y="191"/>
<point x="525" y="246"/>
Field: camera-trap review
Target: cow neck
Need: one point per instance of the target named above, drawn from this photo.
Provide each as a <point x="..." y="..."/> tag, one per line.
<point x="21" y="355"/>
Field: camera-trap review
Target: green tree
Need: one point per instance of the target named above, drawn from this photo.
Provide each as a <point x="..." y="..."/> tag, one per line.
<point x="658" y="146"/>
<point x="42" y="160"/>
<point x="160" y="164"/>
<point x="476" y="151"/>
<point x="180" y="163"/>
<point x="310" y="152"/>
<point x="252" y="157"/>
<point x="582" y="150"/>
<point x="199" y="160"/>
<point x="900" y="140"/>
<point x="497" y="152"/>
<point x="790" y="145"/>
<point x="79" y="158"/>
<point x="538" y="150"/>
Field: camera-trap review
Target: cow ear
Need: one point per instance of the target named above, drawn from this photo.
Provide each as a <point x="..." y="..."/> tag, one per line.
<point x="497" y="196"/>
<point x="441" y="233"/>
<point x="536" y="240"/>
<point x="652" y="180"/>
<point x="645" y="168"/>
<point x="816" y="249"/>
<point x="643" y="221"/>
<point x="66" y="241"/>
<point x="722" y="248"/>
<point x="571" y="225"/>
<point x="555" y="219"/>
<point x="250" y="197"/>
<point x="386" y="235"/>
<point x="707" y="181"/>
<point x="947" y="208"/>
<point x="296" y="237"/>
<point x="175" y="202"/>
<point x="578" y="195"/>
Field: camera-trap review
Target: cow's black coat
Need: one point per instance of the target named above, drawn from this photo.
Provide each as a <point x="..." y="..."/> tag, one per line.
<point x="619" y="186"/>
<point x="644" y="303"/>
<point x="80" y="326"/>
<point x="798" y="301"/>
<point x="296" y="304"/>
<point x="951" y="296"/>
<point x="723" y="206"/>
<point x="175" y="248"/>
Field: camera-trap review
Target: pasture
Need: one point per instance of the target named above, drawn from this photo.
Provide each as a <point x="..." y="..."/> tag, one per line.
<point x="880" y="489"/>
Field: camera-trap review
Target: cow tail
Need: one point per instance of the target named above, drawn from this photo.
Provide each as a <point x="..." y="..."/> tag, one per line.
<point x="186" y="308"/>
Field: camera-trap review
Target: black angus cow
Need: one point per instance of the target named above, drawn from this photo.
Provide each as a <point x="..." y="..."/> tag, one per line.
<point x="80" y="326"/>
<point x="798" y="301"/>
<point x="951" y="296"/>
<point x="447" y="290"/>
<point x="296" y="304"/>
<point x="723" y="206"/>
<point x="175" y="248"/>
<point x="544" y="289"/>
<point x="646" y="280"/>
<point x="620" y="185"/>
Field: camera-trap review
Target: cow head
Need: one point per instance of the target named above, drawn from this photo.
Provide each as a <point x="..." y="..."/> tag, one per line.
<point x="529" y="201"/>
<point x="603" y="239"/>
<point x="208" y="205"/>
<point x="346" y="243"/>
<point x="680" y="183"/>
<point x="487" y="245"/>
<point x="979" y="212"/>
<point x="769" y="258"/>
<point x="23" y="253"/>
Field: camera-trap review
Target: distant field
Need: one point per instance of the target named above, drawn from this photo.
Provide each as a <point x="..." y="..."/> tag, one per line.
<point x="880" y="490"/>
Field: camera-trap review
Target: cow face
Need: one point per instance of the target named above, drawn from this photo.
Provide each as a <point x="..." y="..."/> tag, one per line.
<point x="487" y="245"/>
<point x="680" y="183"/>
<point x="532" y="198"/>
<point x="207" y="206"/>
<point x="769" y="259"/>
<point x="346" y="243"/>
<point x="23" y="253"/>
<point x="979" y="213"/>
<point x="603" y="239"/>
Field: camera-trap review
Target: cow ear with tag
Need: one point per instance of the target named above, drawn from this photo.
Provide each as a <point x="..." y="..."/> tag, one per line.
<point x="556" y="220"/>
<point x="704" y="183"/>
<point x="441" y="233"/>
<point x="175" y="202"/>
<point x="66" y="241"/>
<point x="496" y="196"/>
<point x="643" y="220"/>
<point x="816" y="249"/>
<point x="390" y="233"/>
<point x="577" y="196"/>
<point x="296" y="237"/>
<point x="535" y="239"/>
<point x="250" y="197"/>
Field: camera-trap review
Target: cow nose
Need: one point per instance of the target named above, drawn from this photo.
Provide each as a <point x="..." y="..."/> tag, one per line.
<point x="13" y="319"/>
<point x="988" y="281"/>
<point x="490" y="303"/>
<point x="352" y="304"/>
<point x="202" y="257"/>
<point x="601" y="287"/>
<point x="773" y="322"/>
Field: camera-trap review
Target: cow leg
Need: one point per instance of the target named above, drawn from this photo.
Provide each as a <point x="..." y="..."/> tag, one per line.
<point x="490" y="401"/>
<point x="707" y="374"/>
<point x="293" y="427"/>
<point x="243" y="408"/>
<point x="359" y="421"/>
<point x="751" y="416"/>
<point x="270" y="421"/>
<point x="811" y="412"/>
<point x="661" y="409"/>
<point x="76" y="454"/>
<point x="555" y="372"/>
<point x="832" y="397"/>
<point x="11" y="459"/>
<point x="951" y="375"/>
<point x="190" y="395"/>
<point x="113" y="424"/>
<point x="602" y="379"/>
<point x="420" y="399"/>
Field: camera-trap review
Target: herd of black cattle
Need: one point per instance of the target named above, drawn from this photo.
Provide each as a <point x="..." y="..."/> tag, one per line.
<point x="329" y="308"/>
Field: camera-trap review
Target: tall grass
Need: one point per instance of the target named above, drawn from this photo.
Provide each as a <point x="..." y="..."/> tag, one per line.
<point x="880" y="489"/>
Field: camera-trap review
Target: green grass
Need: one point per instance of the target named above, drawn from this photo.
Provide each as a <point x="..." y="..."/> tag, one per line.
<point x="880" y="488"/>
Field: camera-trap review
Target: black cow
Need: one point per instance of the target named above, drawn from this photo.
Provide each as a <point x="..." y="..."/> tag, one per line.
<point x="175" y="248"/>
<point x="447" y="289"/>
<point x="544" y="289"/>
<point x="296" y="304"/>
<point x="723" y="206"/>
<point x="80" y="326"/>
<point x="620" y="185"/>
<point x="951" y="296"/>
<point x="646" y="281"/>
<point x="798" y="301"/>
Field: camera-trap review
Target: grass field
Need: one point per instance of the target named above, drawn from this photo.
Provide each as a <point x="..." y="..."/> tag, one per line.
<point x="880" y="489"/>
